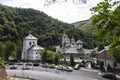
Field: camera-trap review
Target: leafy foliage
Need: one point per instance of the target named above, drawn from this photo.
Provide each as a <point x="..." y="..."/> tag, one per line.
<point x="50" y="56"/>
<point x="106" y="19"/>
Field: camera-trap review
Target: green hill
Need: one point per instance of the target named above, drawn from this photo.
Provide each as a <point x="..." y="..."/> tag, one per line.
<point x="17" y="23"/>
<point x="86" y="26"/>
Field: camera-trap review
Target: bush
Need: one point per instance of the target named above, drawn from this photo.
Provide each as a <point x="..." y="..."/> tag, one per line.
<point x="52" y="66"/>
<point x="109" y="68"/>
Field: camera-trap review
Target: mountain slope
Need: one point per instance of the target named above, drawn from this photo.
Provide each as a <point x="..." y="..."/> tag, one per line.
<point x="86" y="26"/>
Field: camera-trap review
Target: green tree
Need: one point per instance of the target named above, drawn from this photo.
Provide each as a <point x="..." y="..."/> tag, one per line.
<point x="9" y="49"/>
<point x="109" y="68"/>
<point x="44" y="56"/>
<point x="102" y="69"/>
<point x="116" y="54"/>
<point x="93" y="53"/>
<point x="2" y="50"/>
<point x="106" y="20"/>
<point x="1" y="61"/>
<point x="72" y="63"/>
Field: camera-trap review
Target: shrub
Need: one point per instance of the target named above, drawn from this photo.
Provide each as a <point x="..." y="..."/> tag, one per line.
<point x="52" y="66"/>
<point x="109" y="68"/>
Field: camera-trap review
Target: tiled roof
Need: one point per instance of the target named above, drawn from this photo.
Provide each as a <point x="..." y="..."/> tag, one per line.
<point x="74" y="50"/>
<point x="104" y="54"/>
<point x="30" y="36"/>
<point x="35" y="47"/>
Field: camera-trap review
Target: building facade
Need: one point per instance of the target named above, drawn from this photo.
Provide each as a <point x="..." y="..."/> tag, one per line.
<point x="31" y="51"/>
<point x="72" y="47"/>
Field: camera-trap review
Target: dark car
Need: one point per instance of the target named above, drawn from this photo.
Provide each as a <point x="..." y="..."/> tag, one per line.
<point x="110" y="76"/>
<point x="13" y="67"/>
<point x="77" y="66"/>
<point x="11" y="63"/>
<point x="35" y="64"/>
<point x="26" y="68"/>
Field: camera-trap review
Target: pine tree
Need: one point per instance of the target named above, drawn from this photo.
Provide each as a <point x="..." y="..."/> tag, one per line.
<point x="72" y="63"/>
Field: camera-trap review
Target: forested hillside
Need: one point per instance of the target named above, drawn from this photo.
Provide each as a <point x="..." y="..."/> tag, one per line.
<point x="17" y="23"/>
<point x="85" y="26"/>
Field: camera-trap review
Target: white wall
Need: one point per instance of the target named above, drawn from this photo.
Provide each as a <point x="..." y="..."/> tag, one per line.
<point x="26" y="44"/>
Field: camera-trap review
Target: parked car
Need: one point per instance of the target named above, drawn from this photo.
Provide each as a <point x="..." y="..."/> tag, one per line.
<point x="59" y="67"/>
<point x="26" y="68"/>
<point x="68" y="69"/>
<point x="6" y="62"/>
<point x="77" y="66"/>
<point x="13" y="67"/>
<point x="45" y="65"/>
<point x="11" y="63"/>
<point x="20" y="63"/>
<point x="36" y="64"/>
<point x="110" y="76"/>
<point x="29" y="64"/>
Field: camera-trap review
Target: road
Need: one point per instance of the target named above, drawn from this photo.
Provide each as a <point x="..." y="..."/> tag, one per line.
<point x="39" y="73"/>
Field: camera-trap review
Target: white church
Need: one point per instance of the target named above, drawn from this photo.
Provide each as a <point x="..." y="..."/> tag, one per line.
<point x="31" y="50"/>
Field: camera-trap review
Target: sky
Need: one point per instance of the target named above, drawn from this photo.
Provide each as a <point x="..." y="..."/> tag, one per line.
<point x="64" y="11"/>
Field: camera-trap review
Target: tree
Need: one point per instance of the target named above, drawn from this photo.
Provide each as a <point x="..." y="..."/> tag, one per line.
<point x="116" y="54"/>
<point x="1" y="61"/>
<point x="106" y="19"/>
<point x="44" y="55"/>
<point x="93" y="53"/>
<point x="102" y="67"/>
<point x="1" y="50"/>
<point x="72" y="63"/>
<point x="109" y="68"/>
<point x="9" y="49"/>
<point x="50" y="2"/>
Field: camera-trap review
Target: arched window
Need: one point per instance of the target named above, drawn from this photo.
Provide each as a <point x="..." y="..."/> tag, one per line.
<point x="30" y="43"/>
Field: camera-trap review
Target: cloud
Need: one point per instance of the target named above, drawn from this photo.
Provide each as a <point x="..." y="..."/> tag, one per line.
<point x="65" y="11"/>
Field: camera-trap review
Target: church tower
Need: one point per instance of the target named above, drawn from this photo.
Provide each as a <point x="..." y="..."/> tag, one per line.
<point x="65" y="41"/>
<point x="29" y="43"/>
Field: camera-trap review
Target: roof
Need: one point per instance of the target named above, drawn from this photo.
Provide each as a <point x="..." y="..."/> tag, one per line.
<point x="30" y="36"/>
<point x="88" y="51"/>
<point x="72" y="39"/>
<point x="36" y="47"/>
<point x="79" y="41"/>
<point x="74" y="50"/>
<point x="64" y="35"/>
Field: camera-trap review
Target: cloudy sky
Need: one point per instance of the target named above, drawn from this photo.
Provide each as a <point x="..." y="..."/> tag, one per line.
<point x="65" y="11"/>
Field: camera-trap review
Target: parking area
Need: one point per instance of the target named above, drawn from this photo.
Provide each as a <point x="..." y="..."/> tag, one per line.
<point x="55" y="70"/>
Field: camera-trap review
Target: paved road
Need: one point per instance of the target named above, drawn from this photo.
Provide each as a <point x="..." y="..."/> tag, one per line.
<point x="39" y="75"/>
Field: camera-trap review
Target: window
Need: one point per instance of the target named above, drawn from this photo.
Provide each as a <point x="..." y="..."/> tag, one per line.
<point x="30" y="43"/>
<point x="36" y="53"/>
<point x="36" y="57"/>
